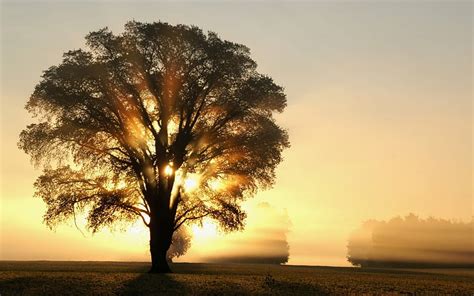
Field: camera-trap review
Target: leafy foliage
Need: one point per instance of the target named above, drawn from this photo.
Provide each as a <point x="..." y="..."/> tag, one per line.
<point x="112" y="119"/>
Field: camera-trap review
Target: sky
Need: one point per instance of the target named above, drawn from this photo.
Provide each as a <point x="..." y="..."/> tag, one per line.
<point x="379" y="115"/>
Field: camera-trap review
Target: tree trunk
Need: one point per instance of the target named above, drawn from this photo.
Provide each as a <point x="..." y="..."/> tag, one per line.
<point x="160" y="241"/>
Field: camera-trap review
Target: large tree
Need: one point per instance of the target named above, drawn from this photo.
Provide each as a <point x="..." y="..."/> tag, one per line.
<point x="124" y="125"/>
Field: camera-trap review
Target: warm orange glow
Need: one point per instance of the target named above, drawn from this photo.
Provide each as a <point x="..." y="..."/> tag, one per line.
<point x="169" y="170"/>
<point x="138" y="229"/>
<point x="380" y="125"/>
<point x="191" y="183"/>
<point x="115" y="186"/>
<point x="121" y="185"/>
<point x="216" y="185"/>
<point x="208" y="230"/>
<point x="172" y="127"/>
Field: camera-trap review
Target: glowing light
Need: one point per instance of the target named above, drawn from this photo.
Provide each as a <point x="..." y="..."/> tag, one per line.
<point x="121" y="185"/>
<point x="137" y="229"/>
<point x="190" y="183"/>
<point x="115" y="185"/>
<point x="169" y="170"/>
<point x="206" y="231"/>
<point x="172" y="127"/>
<point x="215" y="184"/>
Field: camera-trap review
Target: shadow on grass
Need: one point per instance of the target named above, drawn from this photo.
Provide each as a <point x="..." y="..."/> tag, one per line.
<point x="92" y="284"/>
<point x="128" y="284"/>
<point x="188" y="284"/>
<point x="46" y="285"/>
<point x="153" y="284"/>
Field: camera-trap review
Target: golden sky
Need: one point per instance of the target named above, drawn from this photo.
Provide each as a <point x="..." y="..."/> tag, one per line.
<point x="379" y="115"/>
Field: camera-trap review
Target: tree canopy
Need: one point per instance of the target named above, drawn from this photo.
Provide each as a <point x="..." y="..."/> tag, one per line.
<point x="123" y="125"/>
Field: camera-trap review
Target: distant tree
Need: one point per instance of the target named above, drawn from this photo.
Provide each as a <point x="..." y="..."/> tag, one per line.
<point x="180" y="244"/>
<point x="412" y="242"/>
<point x="124" y="124"/>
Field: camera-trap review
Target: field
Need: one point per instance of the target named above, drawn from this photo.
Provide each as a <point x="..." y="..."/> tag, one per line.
<point x="128" y="278"/>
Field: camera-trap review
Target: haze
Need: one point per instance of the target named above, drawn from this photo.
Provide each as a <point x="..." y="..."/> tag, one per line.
<point x="379" y="115"/>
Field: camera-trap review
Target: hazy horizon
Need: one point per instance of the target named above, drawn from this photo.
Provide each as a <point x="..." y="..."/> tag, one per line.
<point x="379" y="116"/>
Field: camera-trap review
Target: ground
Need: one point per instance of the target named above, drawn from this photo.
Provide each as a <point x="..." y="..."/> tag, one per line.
<point x="128" y="278"/>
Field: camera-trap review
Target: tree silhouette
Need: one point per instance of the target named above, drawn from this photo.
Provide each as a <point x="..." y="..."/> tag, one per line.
<point x="124" y="125"/>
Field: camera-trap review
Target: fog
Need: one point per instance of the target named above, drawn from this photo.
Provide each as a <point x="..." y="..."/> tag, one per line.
<point x="379" y="116"/>
<point x="412" y="242"/>
<point x="264" y="240"/>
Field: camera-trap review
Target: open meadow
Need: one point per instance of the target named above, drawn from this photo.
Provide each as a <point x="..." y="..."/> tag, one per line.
<point x="129" y="278"/>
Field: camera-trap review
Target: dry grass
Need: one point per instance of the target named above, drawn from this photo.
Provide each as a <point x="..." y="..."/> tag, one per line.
<point x="121" y="278"/>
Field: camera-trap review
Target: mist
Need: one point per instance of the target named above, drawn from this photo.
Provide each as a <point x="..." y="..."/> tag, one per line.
<point x="263" y="240"/>
<point x="412" y="242"/>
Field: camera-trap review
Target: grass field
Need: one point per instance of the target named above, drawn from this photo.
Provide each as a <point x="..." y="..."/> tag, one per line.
<point x="125" y="278"/>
